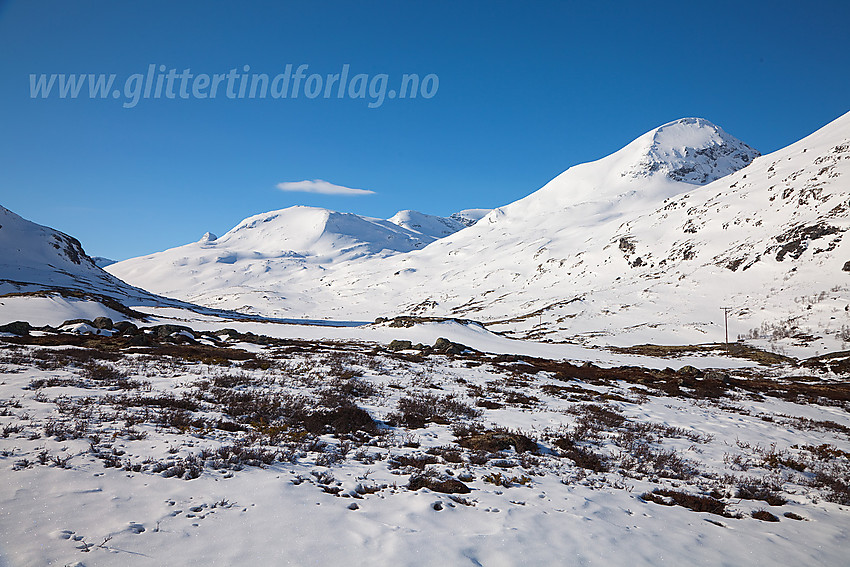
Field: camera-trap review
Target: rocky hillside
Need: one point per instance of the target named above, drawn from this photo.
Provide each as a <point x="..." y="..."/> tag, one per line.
<point x="35" y="257"/>
<point x="47" y="277"/>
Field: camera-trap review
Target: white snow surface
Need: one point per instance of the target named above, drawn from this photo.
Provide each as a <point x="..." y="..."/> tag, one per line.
<point x="281" y="514"/>
<point x="429" y="225"/>
<point x="472" y="335"/>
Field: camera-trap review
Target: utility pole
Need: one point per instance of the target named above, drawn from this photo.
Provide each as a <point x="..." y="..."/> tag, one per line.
<point x="726" y="311"/>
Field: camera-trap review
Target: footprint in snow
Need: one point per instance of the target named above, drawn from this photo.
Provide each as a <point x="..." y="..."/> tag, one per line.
<point x="67" y="534"/>
<point x="135" y="528"/>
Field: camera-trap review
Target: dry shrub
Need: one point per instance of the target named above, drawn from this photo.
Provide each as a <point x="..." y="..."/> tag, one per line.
<point x="764" y="516"/>
<point x="498" y="440"/>
<point x="346" y="418"/>
<point x="760" y="492"/>
<point x="690" y="501"/>
<point x="415" y="461"/>
<point x="584" y="458"/>
<point x="448" y="453"/>
<point x="417" y="410"/>
<point x="666" y="464"/>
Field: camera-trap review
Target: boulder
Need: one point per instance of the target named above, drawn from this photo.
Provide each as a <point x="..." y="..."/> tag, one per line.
<point x="102" y="323"/>
<point x="165" y="331"/>
<point x="438" y="483"/>
<point x="445" y="346"/>
<point x="21" y="328"/>
<point x="141" y="339"/>
<point x="77" y="322"/>
<point x="126" y="328"/>
<point x="690" y="371"/>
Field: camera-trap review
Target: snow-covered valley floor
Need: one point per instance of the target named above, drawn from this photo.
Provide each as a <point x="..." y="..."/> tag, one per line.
<point x="212" y="447"/>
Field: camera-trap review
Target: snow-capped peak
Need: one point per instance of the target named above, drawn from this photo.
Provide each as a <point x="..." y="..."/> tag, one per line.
<point x="268" y="249"/>
<point x="664" y="162"/>
<point x="319" y="232"/>
<point x="691" y="150"/>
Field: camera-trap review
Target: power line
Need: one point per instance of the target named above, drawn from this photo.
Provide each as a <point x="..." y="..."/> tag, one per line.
<point x="726" y="311"/>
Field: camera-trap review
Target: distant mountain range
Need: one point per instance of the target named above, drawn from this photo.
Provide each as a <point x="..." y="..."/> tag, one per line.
<point x="102" y="262"/>
<point x="255" y="266"/>
<point x="646" y="244"/>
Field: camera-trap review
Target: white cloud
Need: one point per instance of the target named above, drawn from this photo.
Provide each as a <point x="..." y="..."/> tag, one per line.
<point x="322" y="187"/>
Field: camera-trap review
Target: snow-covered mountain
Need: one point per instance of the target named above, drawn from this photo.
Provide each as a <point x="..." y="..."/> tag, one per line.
<point x="34" y="257"/>
<point x="102" y="262"/>
<point x="46" y="277"/>
<point x="257" y="264"/>
<point x="298" y="261"/>
<point x="469" y="217"/>
<point x="435" y="227"/>
<point x="645" y="244"/>
<point x="631" y="246"/>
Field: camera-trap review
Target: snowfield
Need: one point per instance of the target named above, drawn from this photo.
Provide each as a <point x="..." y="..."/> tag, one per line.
<point x="222" y="448"/>
<point x="289" y="244"/>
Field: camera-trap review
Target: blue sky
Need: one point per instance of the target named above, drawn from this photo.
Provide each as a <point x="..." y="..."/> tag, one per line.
<point x="525" y="91"/>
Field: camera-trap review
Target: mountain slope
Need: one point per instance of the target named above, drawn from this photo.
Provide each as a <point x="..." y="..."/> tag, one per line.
<point x="46" y="278"/>
<point x="435" y="227"/>
<point x="251" y="264"/>
<point x="492" y="270"/>
<point x="35" y="257"/>
<point x="765" y="240"/>
<point x="632" y="246"/>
